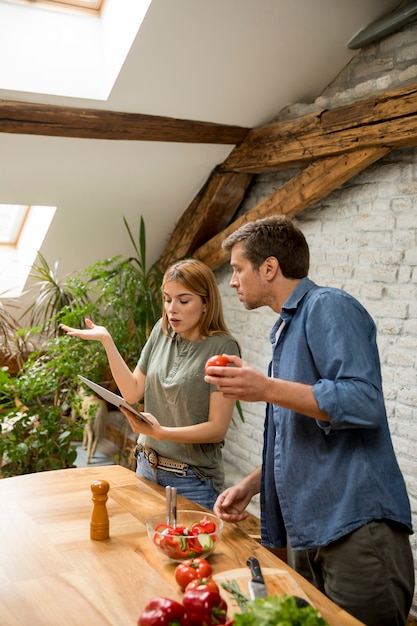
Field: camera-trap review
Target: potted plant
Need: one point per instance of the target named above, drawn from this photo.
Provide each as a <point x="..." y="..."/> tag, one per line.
<point x="15" y="344"/>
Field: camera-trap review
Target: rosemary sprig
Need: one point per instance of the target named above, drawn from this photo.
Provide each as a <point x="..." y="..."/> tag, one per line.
<point x="233" y="588"/>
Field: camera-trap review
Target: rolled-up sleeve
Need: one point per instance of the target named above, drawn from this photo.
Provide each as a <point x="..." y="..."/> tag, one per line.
<point x="349" y="404"/>
<point x="342" y="342"/>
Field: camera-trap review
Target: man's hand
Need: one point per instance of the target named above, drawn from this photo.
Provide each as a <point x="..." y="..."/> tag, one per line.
<point x="240" y="382"/>
<point x="231" y="504"/>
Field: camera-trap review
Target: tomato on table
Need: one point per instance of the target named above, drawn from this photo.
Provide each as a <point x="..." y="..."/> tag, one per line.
<point x="207" y="584"/>
<point x="192" y="569"/>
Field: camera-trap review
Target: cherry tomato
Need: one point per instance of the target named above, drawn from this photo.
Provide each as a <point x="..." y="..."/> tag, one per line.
<point x="208" y="584"/>
<point x="192" y="569"/>
<point x="218" y="360"/>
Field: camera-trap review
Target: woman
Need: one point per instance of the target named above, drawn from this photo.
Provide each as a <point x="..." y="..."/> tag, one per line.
<point x="190" y="417"/>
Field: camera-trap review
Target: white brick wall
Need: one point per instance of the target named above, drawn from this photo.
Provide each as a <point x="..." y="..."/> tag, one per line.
<point x="363" y="238"/>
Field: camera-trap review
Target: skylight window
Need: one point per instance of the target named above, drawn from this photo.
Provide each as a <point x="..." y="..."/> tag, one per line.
<point x="63" y="52"/>
<point x="76" y="4"/>
<point x="22" y="231"/>
<point x="84" y="4"/>
<point x="12" y="218"/>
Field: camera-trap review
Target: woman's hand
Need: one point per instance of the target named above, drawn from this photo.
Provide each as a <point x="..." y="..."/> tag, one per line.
<point x="130" y="384"/>
<point x="92" y="332"/>
<point x="139" y="426"/>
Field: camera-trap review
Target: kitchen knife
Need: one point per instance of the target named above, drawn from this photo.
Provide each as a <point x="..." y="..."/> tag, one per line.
<point x="256" y="586"/>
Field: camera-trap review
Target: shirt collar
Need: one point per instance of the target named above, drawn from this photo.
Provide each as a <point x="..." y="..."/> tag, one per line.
<point x="290" y="305"/>
<point x="295" y="297"/>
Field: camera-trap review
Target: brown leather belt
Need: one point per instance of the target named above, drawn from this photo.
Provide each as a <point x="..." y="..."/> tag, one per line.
<point x="157" y="461"/>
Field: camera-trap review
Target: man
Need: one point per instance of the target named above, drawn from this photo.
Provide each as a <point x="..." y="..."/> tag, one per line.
<point x="330" y="484"/>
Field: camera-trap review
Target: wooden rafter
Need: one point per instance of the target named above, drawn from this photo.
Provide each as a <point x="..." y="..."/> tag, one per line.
<point x="42" y="119"/>
<point x="388" y="119"/>
<point x="306" y="188"/>
<point x="333" y="146"/>
<point x="209" y="213"/>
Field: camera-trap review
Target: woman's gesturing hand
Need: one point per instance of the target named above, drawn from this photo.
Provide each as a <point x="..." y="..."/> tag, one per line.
<point x="92" y="332"/>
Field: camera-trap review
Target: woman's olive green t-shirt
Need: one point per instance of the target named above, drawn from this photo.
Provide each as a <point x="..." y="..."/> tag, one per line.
<point x="177" y="395"/>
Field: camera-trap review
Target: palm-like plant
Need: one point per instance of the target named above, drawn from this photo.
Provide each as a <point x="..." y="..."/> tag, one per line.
<point x="53" y="296"/>
<point x="150" y="279"/>
<point x="14" y="341"/>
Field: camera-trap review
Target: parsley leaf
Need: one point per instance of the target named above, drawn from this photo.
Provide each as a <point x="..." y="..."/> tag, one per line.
<point x="278" y="611"/>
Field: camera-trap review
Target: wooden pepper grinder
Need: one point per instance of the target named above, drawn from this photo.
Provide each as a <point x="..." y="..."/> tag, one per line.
<point x="99" y="525"/>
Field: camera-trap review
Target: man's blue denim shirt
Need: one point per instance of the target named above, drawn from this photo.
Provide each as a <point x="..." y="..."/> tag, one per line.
<point x="322" y="480"/>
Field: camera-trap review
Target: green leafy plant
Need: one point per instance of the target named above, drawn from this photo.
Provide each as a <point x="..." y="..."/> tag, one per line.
<point x="273" y="611"/>
<point x="6" y="391"/>
<point x="52" y="296"/>
<point x="15" y="343"/>
<point x="36" y="397"/>
<point x="37" y="440"/>
<point x="121" y="293"/>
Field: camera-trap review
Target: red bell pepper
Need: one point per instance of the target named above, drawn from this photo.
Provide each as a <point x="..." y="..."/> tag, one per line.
<point x="162" y="612"/>
<point x="203" y="526"/>
<point x="203" y="608"/>
<point x="175" y="546"/>
<point x="182" y="542"/>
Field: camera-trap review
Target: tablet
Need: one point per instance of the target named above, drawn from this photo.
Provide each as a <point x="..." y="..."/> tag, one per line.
<point x="113" y="398"/>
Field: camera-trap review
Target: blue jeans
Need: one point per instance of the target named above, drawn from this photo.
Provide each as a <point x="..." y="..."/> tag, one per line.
<point x="189" y="486"/>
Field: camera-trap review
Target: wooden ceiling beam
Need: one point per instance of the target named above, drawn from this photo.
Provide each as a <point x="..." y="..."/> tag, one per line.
<point x="388" y="119"/>
<point x="311" y="185"/>
<point x="332" y="146"/>
<point x="41" y="119"/>
<point x="208" y="214"/>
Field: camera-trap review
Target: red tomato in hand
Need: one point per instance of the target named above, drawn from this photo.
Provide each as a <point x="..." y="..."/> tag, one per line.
<point x="206" y="584"/>
<point x="218" y="360"/>
<point x="192" y="569"/>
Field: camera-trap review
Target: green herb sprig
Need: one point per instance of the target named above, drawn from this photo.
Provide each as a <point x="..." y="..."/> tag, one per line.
<point x="273" y="610"/>
<point x="233" y="588"/>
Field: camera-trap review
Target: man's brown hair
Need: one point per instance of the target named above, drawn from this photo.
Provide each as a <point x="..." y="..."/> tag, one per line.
<point x="276" y="236"/>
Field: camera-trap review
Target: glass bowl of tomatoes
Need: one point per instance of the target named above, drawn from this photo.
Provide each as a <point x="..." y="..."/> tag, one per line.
<point x="194" y="534"/>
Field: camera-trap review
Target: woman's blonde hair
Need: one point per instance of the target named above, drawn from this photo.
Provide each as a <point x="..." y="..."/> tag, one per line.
<point x="198" y="278"/>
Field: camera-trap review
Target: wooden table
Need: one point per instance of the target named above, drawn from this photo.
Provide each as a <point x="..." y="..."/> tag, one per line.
<point x="52" y="573"/>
